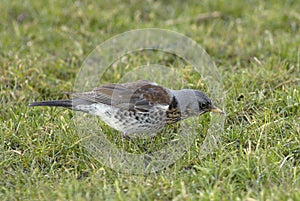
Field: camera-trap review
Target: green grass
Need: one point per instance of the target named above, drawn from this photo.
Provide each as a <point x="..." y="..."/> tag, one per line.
<point x="255" y="45"/>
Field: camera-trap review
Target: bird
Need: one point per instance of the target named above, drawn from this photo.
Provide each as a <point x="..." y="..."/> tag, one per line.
<point x="137" y="107"/>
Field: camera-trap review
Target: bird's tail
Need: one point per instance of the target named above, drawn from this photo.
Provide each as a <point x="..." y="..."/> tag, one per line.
<point x="55" y="103"/>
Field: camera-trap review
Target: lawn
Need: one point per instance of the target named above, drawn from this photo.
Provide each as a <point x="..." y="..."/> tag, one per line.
<point x="255" y="46"/>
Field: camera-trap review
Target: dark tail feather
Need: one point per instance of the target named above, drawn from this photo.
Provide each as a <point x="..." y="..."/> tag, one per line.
<point x="56" y="103"/>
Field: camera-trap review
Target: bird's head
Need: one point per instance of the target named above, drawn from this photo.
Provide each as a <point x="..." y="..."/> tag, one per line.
<point x="193" y="102"/>
<point x="205" y="104"/>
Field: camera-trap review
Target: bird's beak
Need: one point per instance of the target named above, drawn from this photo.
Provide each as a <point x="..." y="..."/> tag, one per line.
<point x="216" y="110"/>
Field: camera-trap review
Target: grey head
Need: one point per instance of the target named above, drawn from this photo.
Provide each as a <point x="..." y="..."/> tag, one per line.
<point x="194" y="102"/>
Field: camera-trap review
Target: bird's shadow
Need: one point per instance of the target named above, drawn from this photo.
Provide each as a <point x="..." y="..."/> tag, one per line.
<point x="145" y="143"/>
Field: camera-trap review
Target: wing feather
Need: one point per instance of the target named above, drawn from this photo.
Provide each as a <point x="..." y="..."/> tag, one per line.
<point x="140" y="95"/>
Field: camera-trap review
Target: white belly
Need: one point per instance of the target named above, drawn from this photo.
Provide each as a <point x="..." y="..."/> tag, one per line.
<point x="128" y="122"/>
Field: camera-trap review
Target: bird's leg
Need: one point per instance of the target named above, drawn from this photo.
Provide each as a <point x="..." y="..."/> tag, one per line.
<point x="125" y="136"/>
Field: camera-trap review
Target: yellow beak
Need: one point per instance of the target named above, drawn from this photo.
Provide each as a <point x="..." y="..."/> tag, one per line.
<point x="217" y="110"/>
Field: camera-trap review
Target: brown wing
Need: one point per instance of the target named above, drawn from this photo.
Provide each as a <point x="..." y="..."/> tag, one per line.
<point x="139" y="95"/>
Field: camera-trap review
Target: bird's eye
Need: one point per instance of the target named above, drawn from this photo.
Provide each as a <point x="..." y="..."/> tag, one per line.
<point x="202" y="105"/>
